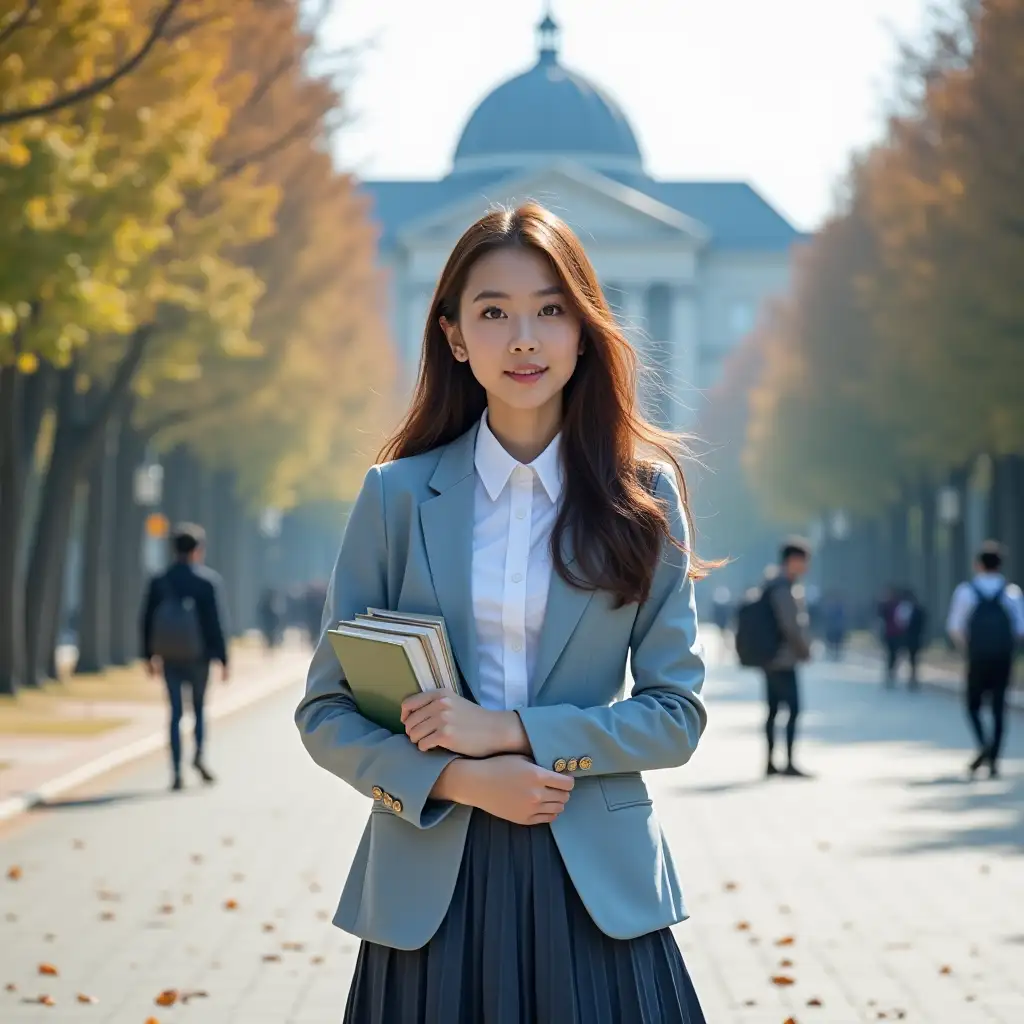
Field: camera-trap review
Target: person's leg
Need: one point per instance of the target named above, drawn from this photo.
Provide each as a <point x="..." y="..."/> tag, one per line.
<point x="791" y="698"/>
<point x="174" y="680"/>
<point x="912" y="656"/>
<point x="976" y="687"/>
<point x="1001" y="674"/>
<point x="890" y="665"/>
<point x="772" y="696"/>
<point x="199" y="678"/>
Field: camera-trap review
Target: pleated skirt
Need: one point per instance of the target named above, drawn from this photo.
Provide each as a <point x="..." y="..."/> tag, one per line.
<point x="517" y="946"/>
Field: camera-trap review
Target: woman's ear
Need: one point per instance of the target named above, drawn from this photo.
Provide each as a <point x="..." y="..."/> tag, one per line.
<point x="451" y="332"/>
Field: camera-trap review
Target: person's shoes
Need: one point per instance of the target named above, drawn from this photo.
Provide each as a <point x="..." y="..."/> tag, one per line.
<point x="977" y="762"/>
<point x="794" y="772"/>
<point x="993" y="770"/>
<point x="772" y="770"/>
<point x="204" y="773"/>
<point x="177" y="784"/>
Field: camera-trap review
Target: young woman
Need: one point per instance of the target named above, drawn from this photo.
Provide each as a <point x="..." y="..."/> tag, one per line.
<point x="512" y="870"/>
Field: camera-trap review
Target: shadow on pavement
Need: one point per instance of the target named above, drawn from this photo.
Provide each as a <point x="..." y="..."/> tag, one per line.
<point x="846" y="704"/>
<point x="104" y="799"/>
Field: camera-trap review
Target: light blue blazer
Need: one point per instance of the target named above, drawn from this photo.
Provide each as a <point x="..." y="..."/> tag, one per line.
<point x="408" y="546"/>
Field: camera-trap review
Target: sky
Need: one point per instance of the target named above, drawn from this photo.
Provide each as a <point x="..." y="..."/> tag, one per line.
<point x="777" y="93"/>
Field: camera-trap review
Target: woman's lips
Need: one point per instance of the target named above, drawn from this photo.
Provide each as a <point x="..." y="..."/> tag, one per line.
<point x="527" y="374"/>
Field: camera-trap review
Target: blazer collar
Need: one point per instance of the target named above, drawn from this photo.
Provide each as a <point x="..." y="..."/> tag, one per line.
<point x="456" y="461"/>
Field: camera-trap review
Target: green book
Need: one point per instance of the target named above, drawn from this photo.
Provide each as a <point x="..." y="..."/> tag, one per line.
<point x="382" y="669"/>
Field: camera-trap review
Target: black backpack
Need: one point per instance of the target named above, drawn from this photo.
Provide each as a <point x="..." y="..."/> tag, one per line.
<point x="176" y="635"/>
<point x="989" y="630"/>
<point x="758" y="636"/>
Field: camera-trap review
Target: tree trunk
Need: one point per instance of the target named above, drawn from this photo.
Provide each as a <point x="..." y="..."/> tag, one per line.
<point x="76" y="444"/>
<point x="97" y="541"/>
<point x="929" y="596"/>
<point x="126" y="560"/>
<point x="12" y="494"/>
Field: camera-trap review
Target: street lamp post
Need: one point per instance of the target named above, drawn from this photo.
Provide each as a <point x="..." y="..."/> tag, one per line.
<point x="148" y="492"/>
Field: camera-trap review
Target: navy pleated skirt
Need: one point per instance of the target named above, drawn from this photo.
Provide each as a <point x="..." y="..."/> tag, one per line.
<point x="517" y="946"/>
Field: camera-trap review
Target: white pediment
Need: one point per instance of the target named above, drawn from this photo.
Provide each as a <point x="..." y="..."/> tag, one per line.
<point x="599" y="209"/>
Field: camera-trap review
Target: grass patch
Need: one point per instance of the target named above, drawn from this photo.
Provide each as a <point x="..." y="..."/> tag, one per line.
<point x="17" y="721"/>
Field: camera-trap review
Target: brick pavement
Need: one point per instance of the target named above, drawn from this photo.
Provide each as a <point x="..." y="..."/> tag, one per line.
<point x="884" y="870"/>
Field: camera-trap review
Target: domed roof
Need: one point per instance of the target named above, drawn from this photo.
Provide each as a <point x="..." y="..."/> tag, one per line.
<point x="547" y="111"/>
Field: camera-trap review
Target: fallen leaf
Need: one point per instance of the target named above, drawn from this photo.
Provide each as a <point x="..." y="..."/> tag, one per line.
<point x="152" y="1020"/>
<point x="786" y="963"/>
<point x="969" y="999"/>
<point x="731" y="886"/>
<point x="10" y="987"/>
<point x="228" y="841"/>
<point x="786" y="940"/>
<point x="901" y="1014"/>
<point x="743" y="926"/>
<point x="316" y="960"/>
<point x="83" y="998"/>
<point x="269" y="926"/>
<point x="77" y="844"/>
<point x="168" y="997"/>
<point x="197" y="994"/>
<point x="14" y="873"/>
<point x="293" y="947"/>
<point x="782" y="979"/>
<point x="272" y="958"/>
<point x="750" y="1002"/>
<point x="49" y="937"/>
<point x="754" y="940"/>
<point x="814" y="1001"/>
<point x="10" y="917"/>
<point x="881" y="1015"/>
<point x="197" y="858"/>
<point x="789" y="1020"/>
<point x="238" y="877"/>
<point x="945" y="969"/>
<point x="167" y="908"/>
<point x="231" y="904"/>
<point x="48" y="969"/>
<point x="110" y="897"/>
<point x="322" y="915"/>
<point x="44" y="1000"/>
<point x="107" y="915"/>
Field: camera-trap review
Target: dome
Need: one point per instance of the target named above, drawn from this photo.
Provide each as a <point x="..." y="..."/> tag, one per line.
<point x="547" y="111"/>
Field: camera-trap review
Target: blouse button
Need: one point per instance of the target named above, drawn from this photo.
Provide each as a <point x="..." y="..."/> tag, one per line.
<point x="517" y="646"/>
<point x="517" y="577"/>
<point x="521" y="513"/>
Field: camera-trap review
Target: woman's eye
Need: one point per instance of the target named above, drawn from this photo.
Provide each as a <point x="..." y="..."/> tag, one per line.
<point x="551" y="309"/>
<point x="492" y="313"/>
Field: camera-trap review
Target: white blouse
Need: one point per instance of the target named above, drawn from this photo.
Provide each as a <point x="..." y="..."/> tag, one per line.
<point x="514" y="510"/>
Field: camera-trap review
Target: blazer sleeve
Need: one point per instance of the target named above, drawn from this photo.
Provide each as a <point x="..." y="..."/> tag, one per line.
<point x="659" y="724"/>
<point x="335" y="734"/>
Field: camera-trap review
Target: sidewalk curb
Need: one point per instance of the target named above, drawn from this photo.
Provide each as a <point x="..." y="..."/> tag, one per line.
<point x="239" y="699"/>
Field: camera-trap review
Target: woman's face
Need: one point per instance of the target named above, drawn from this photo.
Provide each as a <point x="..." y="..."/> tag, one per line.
<point x="516" y="329"/>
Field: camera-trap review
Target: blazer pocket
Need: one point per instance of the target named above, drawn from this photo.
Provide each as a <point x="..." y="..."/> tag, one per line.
<point x="624" y="790"/>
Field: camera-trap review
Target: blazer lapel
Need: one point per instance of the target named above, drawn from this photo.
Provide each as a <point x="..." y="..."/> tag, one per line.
<point x="447" y="523"/>
<point x="565" y="608"/>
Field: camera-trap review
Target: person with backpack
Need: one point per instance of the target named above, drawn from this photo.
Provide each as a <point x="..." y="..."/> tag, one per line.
<point x="986" y="622"/>
<point x="183" y="627"/>
<point x="773" y="634"/>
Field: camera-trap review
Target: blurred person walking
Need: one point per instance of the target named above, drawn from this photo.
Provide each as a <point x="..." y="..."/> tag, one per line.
<point x="834" y="624"/>
<point x="986" y="623"/>
<point x="183" y="628"/>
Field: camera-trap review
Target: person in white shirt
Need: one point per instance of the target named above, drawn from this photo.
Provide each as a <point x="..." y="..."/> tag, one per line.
<point x="986" y="623"/>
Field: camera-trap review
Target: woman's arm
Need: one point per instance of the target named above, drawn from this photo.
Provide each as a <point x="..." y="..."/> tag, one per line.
<point x="659" y="725"/>
<point x="337" y="737"/>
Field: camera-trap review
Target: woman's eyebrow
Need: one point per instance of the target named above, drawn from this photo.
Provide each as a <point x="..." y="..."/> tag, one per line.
<point x="554" y="289"/>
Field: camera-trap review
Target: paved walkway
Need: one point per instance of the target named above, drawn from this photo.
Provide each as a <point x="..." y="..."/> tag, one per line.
<point x="887" y="888"/>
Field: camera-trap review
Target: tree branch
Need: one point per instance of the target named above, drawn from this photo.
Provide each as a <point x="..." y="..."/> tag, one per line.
<point x="100" y="84"/>
<point x="18" y="21"/>
<point x="296" y="131"/>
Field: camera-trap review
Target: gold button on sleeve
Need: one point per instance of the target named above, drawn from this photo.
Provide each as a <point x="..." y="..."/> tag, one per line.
<point x="586" y="763"/>
<point x="377" y="792"/>
<point x="573" y="764"/>
<point x="396" y="806"/>
<point x="560" y="765"/>
<point x="388" y="801"/>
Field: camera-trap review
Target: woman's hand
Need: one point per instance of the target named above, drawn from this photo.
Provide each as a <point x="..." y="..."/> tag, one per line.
<point x="440" y="718"/>
<point x="510" y="787"/>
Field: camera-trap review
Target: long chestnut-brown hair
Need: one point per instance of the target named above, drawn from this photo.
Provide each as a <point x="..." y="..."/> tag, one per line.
<point x="617" y="525"/>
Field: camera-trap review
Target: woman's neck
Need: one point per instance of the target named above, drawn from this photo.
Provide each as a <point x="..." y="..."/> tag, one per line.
<point x="524" y="433"/>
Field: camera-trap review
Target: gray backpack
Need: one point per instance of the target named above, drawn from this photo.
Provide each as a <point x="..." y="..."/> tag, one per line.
<point x="176" y="634"/>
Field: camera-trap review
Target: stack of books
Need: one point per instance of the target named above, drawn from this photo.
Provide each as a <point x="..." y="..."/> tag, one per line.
<point x="388" y="656"/>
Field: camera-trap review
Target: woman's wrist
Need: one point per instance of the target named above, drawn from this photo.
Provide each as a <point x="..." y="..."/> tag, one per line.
<point x="451" y="783"/>
<point x="515" y="740"/>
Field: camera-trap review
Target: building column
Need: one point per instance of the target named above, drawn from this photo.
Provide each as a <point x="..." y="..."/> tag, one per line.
<point x="684" y="346"/>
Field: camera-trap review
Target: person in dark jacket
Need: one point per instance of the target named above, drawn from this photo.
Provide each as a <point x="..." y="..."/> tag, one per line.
<point x="200" y="590"/>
